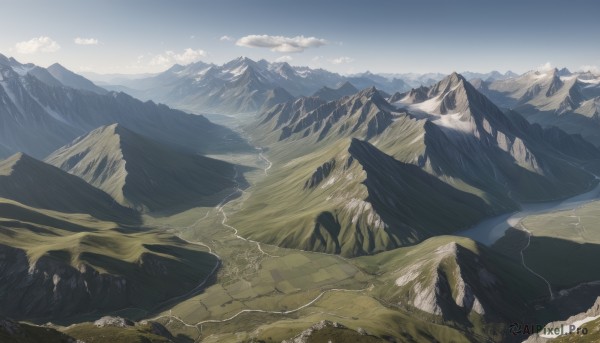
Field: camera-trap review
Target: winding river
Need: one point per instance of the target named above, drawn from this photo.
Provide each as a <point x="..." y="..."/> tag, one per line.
<point x="490" y="230"/>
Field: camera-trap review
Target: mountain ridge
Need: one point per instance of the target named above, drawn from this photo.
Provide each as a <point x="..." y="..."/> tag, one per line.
<point x="143" y="174"/>
<point x="37" y="118"/>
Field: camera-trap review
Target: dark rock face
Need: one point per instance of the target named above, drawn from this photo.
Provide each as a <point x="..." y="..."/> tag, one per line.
<point x="52" y="288"/>
<point x="320" y="174"/>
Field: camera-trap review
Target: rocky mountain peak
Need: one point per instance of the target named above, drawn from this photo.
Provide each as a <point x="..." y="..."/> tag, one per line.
<point x="446" y="85"/>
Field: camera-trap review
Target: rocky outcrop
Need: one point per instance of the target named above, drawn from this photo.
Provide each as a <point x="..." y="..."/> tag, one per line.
<point x="50" y="288"/>
<point x="326" y="330"/>
<point x="450" y="279"/>
<point x="116" y="322"/>
<point x="320" y="174"/>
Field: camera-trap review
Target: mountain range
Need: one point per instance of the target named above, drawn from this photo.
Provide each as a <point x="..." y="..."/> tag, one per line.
<point x="449" y="148"/>
<point x="110" y="205"/>
<point x="559" y="98"/>
<point x="243" y="85"/>
<point x="143" y="174"/>
<point x="39" y="114"/>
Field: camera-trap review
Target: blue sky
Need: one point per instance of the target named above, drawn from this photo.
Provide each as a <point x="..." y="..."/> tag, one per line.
<point x="346" y="36"/>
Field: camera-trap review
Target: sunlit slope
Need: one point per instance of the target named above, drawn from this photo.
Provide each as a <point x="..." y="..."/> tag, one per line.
<point x="143" y="174"/>
<point x="37" y="184"/>
<point x="360" y="201"/>
<point x="360" y="175"/>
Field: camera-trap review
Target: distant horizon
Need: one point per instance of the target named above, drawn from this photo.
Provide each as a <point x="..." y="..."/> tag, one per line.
<point x="346" y="37"/>
<point x="92" y="72"/>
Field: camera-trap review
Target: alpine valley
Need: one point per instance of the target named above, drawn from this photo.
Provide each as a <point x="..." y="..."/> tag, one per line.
<point x="257" y="201"/>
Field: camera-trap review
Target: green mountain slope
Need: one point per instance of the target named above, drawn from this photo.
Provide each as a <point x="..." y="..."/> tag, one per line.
<point x="457" y="282"/>
<point x="59" y="266"/>
<point x="143" y="174"/>
<point x="37" y="184"/>
<point x="328" y="192"/>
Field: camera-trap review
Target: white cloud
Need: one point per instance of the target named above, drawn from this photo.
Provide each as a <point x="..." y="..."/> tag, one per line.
<point x="343" y="59"/>
<point x="281" y="43"/>
<point x="86" y="41"/>
<point x="545" y="67"/>
<point x="286" y="58"/>
<point x="39" y="44"/>
<point x="169" y="58"/>
<point x="225" y="38"/>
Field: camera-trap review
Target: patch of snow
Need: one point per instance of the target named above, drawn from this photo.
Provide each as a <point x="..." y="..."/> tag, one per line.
<point x="428" y="109"/>
<point x="454" y="122"/>
<point x="567" y="78"/>
<point x="201" y="73"/>
<point x="537" y="75"/>
<point x="303" y="72"/>
<point x="22" y="70"/>
<point x="238" y="71"/>
<point x="590" y="81"/>
<point x="429" y="106"/>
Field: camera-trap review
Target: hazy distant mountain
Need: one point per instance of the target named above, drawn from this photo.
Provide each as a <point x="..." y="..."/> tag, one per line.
<point x="70" y="79"/>
<point x="491" y="76"/>
<point x="370" y="176"/>
<point x="37" y="184"/>
<point x="112" y="79"/>
<point x="553" y="97"/>
<point x="387" y="84"/>
<point x="143" y="174"/>
<point x="243" y="85"/>
<point x="330" y="94"/>
<point x="416" y="79"/>
<point x="37" y="116"/>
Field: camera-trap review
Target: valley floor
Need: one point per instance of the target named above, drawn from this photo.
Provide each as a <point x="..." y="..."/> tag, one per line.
<point x="264" y="292"/>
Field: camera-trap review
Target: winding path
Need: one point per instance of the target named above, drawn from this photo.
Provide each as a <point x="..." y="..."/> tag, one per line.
<point x="239" y="190"/>
<point x="216" y="321"/>
<point x="522" y="228"/>
<point x="220" y="209"/>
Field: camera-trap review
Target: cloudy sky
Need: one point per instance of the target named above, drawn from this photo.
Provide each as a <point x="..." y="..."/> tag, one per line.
<point x="346" y="36"/>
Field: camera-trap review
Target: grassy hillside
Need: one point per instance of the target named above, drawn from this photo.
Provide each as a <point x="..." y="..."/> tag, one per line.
<point x="15" y="332"/>
<point x="37" y="184"/>
<point x="56" y="265"/>
<point x="143" y="174"/>
<point x="366" y="202"/>
<point x="562" y="244"/>
<point x="360" y="175"/>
